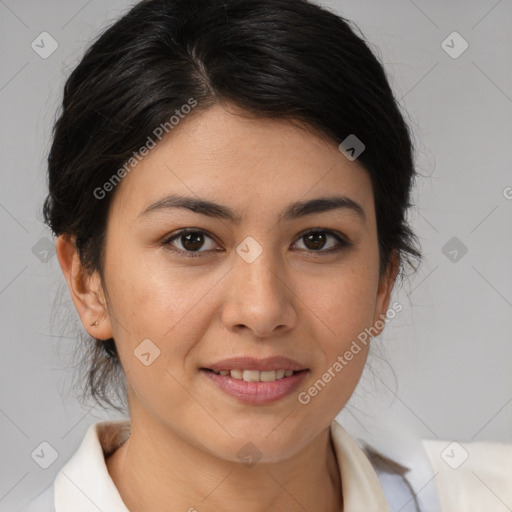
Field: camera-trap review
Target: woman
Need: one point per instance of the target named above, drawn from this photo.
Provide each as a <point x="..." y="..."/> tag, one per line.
<point x="228" y="182"/>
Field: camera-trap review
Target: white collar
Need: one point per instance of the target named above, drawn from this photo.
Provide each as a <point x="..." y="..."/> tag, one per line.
<point x="84" y="483"/>
<point x="359" y="482"/>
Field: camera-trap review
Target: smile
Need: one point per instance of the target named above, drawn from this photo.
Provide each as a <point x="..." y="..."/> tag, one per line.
<point x="254" y="387"/>
<point x="256" y="375"/>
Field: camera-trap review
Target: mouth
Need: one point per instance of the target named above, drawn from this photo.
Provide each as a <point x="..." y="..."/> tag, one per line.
<point x="256" y="381"/>
<point x="256" y="375"/>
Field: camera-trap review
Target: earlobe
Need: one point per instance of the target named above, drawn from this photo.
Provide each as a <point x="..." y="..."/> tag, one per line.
<point x="85" y="289"/>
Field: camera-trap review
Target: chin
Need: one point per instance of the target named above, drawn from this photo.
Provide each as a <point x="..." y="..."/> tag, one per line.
<point x="255" y="445"/>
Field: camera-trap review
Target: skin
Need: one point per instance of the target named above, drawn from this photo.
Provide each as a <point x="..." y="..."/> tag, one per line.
<point x="291" y="301"/>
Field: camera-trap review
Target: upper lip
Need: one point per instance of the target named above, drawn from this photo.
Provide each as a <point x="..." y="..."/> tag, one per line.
<point x="252" y="363"/>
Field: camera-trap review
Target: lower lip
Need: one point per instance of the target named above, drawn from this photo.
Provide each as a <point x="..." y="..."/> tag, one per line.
<point x="257" y="393"/>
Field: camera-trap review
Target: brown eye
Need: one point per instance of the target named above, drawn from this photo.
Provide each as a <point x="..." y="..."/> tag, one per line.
<point x="317" y="240"/>
<point x="191" y="241"/>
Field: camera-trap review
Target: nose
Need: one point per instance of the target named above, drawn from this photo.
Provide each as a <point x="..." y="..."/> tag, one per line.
<point x="260" y="298"/>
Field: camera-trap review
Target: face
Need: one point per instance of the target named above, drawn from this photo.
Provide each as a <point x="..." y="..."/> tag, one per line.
<point x="255" y="278"/>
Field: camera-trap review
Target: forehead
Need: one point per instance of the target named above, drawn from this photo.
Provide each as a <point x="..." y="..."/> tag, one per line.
<point x="248" y="163"/>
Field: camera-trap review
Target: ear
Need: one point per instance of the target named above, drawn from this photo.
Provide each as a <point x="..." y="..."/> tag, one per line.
<point x="385" y="287"/>
<point x="85" y="288"/>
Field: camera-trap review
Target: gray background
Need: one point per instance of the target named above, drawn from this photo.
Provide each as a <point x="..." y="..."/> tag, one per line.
<point x="449" y="349"/>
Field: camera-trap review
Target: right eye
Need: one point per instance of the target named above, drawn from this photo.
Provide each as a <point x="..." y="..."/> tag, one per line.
<point x="191" y="240"/>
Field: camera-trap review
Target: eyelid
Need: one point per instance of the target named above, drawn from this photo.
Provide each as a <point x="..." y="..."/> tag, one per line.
<point x="176" y="235"/>
<point x="343" y="241"/>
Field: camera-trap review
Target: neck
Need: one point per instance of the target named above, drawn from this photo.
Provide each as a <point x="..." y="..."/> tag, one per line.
<point x="156" y="470"/>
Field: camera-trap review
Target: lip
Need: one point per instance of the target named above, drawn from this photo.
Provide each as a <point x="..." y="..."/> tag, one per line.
<point x="256" y="393"/>
<point x="252" y="363"/>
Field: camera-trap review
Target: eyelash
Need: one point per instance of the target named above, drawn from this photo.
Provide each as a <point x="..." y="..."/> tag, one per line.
<point x="342" y="242"/>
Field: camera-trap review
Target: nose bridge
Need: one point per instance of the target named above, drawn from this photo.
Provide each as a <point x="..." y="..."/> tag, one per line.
<point x="259" y="298"/>
<point x="257" y="270"/>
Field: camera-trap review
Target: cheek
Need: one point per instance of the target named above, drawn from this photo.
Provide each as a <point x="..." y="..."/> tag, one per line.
<point x="342" y="309"/>
<point x="344" y="300"/>
<point x="150" y="299"/>
<point x="157" y="315"/>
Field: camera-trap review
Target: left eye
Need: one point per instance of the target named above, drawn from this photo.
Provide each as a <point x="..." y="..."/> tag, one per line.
<point x="192" y="240"/>
<point x="316" y="240"/>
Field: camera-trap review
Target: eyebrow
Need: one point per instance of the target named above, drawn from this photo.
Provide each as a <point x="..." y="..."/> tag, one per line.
<point x="293" y="211"/>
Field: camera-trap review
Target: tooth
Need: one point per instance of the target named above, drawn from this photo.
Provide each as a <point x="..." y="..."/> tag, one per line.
<point x="256" y="375"/>
<point x="251" y="375"/>
<point x="267" y="375"/>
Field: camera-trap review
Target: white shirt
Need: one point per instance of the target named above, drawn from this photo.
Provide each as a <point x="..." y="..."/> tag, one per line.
<point x="84" y="483"/>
